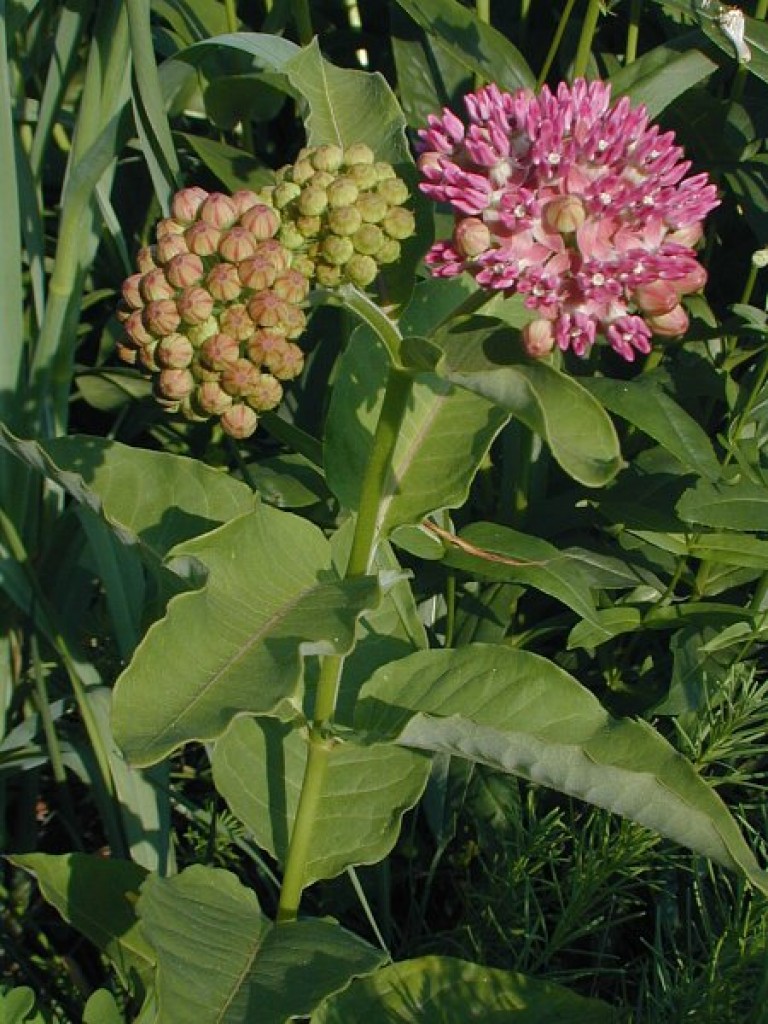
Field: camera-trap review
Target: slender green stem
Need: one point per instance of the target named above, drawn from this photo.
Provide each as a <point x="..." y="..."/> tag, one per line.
<point x="633" y="32"/>
<point x="588" y="29"/>
<point x="364" y="540"/>
<point x="761" y="10"/>
<point x="230" y="9"/>
<point x="483" y="9"/>
<point x="302" y="18"/>
<point x="450" y="608"/>
<point x="554" y="46"/>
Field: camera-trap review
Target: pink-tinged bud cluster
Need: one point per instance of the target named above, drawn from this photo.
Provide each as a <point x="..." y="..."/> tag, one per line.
<point x="343" y="212"/>
<point x="579" y="206"/>
<point x="216" y="308"/>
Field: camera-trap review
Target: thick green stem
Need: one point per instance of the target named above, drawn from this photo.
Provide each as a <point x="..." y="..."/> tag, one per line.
<point x="761" y="10"/>
<point x="230" y="9"/>
<point x="554" y="46"/>
<point x="586" y="39"/>
<point x="302" y="19"/>
<point x="363" y="546"/>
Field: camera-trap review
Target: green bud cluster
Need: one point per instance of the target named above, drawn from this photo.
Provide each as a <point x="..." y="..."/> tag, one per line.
<point x="215" y="308"/>
<point x="343" y="211"/>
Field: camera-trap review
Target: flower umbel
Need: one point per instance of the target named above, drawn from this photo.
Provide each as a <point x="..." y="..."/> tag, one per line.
<point x="580" y="206"/>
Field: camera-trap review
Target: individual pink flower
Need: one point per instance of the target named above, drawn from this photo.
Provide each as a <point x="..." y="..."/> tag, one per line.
<point x="582" y="207"/>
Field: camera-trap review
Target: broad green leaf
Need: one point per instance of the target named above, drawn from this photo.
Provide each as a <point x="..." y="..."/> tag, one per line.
<point x="495" y="552"/>
<point x="748" y="181"/>
<point x="579" y="432"/>
<point x="19" y="1006"/>
<point x="443" y="990"/>
<point x="97" y="896"/>
<point x="426" y="72"/>
<point x="233" y="167"/>
<point x="110" y="389"/>
<point x="519" y="713"/>
<point x="101" y="1008"/>
<point x="151" y="497"/>
<point x="742" y="505"/>
<point x="730" y="549"/>
<point x="611" y="622"/>
<point x="472" y="42"/>
<point x="236" y="644"/>
<point x="659" y="76"/>
<point x="221" y="961"/>
<point x="445" y="434"/>
<point x="258" y="767"/>
<point x="646" y="405"/>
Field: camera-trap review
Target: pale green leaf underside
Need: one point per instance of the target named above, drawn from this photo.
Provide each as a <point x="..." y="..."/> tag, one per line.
<point x="221" y="961"/>
<point x="519" y="713"/>
<point x="443" y="990"/>
<point x="258" y="767"/>
<point x="235" y="645"/>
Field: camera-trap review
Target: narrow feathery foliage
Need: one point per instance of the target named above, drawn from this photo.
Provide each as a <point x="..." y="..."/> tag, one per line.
<point x="216" y="307"/>
<point x="579" y="206"/>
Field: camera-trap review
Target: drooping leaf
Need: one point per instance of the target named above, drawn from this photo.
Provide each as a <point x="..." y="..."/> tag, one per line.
<point x="742" y="505"/>
<point x="442" y="441"/>
<point x="235" y="645"/>
<point x="646" y="405"/>
<point x="440" y="990"/>
<point x="222" y="961"/>
<point x="520" y="713"/>
<point x="185" y="498"/>
<point x="579" y="432"/>
<point x="258" y="767"/>
<point x="472" y="42"/>
<point x="97" y="896"/>
<point x="659" y="76"/>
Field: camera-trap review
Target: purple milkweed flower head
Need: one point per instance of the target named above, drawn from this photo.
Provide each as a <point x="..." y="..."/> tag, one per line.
<point x="582" y="207"/>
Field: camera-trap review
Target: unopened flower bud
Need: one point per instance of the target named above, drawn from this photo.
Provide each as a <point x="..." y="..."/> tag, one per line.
<point x="372" y="207"/>
<point x="313" y="201"/>
<point x="135" y="329"/>
<point x="219" y="351"/>
<point x="185" y="270"/>
<point x="337" y="250"/>
<point x="198" y="333"/>
<point x="239" y="421"/>
<point x="174" y="352"/>
<point x="202" y="238"/>
<point x="471" y="237"/>
<point x="565" y="214"/>
<point x="187" y="202"/>
<point x="688" y="235"/>
<point x="147" y="357"/>
<point x="327" y="158"/>
<point x="363" y="175"/>
<point x="170" y="246"/>
<point x="223" y="282"/>
<point x="669" y="325"/>
<point x="238" y="378"/>
<point x="203" y="374"/>
<point x="267" y="310"/>
<point x="384" y="171"/>
<point x="693" y="281"/>
<point x="266" y="394"/>
<point x="389" y="252"/>
<point x="329" y="276"/>
<point x="358" y="153"/>
<point x="342" y="192"/>
<point x="218" y="210"/>
<point x="760" y="258"/>
<point x="236" y="321"/>
<point x="361" y="270"/>
<point x="368" y="239"/>
<point x="538" y="338"/>
<point x="169" y="226"/>
<point x="175" y="384"/>
<point x="276" y="253"/>
<point x="130" y="291"/>
<point x="155" y="285"/>
<point x="285" y="193"/>
<point x="161" y="318"/>
<point x="195" y="305"/>
<point x="291" y="286"/>
<point x="127" y="352"/>
<point x="657" y="298"/>
<point x="258" y="273"/>
<point x="290" y="363"/>
<point x="399" y="223"/>
<point x="237" y="244"/>
<point x="145" y="259"/>
<point x="293" y="321"/>
<point x="345" y="220"/>
<point x="302" y="171"/>
<point x="393" y="191"/>
<point x="211" y="398"/>
<point x="304" y="265"/>
<point x="290" y="237"/>
<point x="309" y="227"/>
<point x="262" y="221"/>
<point x="244" y="199"/>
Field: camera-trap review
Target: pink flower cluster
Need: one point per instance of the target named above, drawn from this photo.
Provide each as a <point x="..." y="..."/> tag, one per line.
<point x="578" y="205"/>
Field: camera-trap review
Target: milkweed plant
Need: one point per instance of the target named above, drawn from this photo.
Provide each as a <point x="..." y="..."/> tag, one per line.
<point x="371" y="446"/>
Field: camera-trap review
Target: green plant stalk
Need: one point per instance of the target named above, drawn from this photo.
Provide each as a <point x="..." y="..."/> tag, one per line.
<point x="302" y="19"/>
<point x="231" y="13"/>
<point x="761" y="10"/>
<point x="319" y="743"/>
<point x="554" y="46"/>
<point x="633" y="32"/>
<point x="586" y="39"/>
